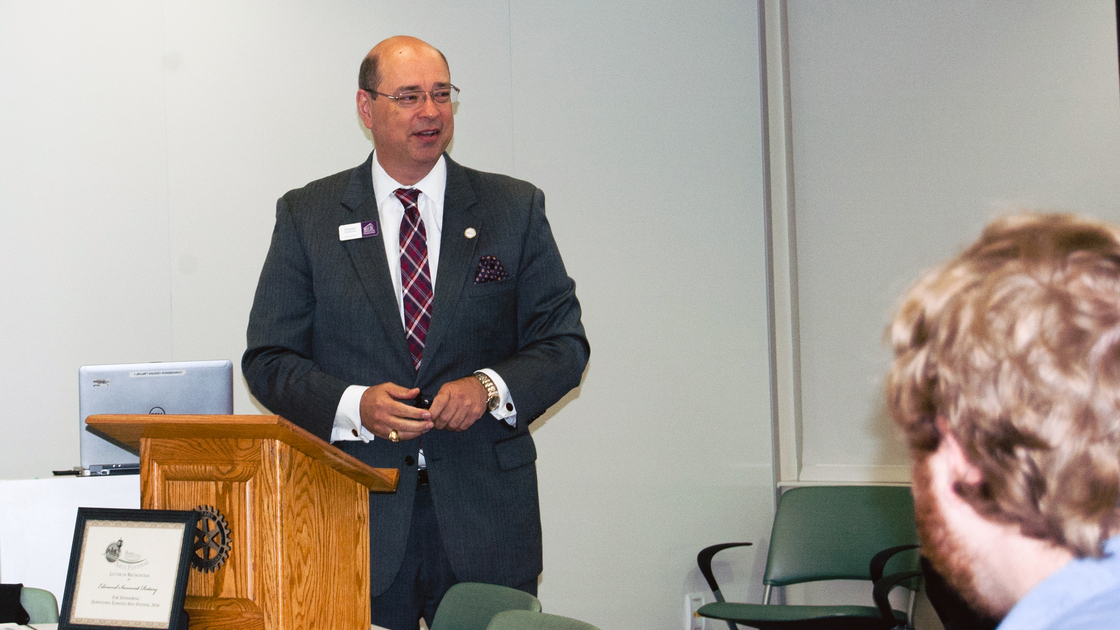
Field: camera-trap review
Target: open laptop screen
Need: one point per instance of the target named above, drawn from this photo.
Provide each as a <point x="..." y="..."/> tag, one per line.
<point x="188" y="387"/>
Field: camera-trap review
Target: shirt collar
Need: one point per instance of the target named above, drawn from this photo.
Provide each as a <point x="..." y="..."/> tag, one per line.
<point x="1067" y="592"/>
<point x="433" y="184"/>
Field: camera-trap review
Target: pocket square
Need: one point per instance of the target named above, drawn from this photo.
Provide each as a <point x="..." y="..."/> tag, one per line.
<point x="490" y="269"/>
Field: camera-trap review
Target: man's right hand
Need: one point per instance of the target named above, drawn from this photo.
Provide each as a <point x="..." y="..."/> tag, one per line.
<point x="383" y="411"/>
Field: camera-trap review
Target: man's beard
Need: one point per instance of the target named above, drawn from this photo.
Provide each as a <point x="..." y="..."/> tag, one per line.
<point x="944" y="548"/>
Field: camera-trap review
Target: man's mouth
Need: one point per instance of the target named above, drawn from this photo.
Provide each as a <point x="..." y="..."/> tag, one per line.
<point x="428" y="134"/>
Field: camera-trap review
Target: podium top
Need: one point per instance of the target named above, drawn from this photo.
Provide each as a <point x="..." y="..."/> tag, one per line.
<point x="130" y="429"/>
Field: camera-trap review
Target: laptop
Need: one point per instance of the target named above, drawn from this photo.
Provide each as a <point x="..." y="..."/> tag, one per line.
<point x="186" y="387"/>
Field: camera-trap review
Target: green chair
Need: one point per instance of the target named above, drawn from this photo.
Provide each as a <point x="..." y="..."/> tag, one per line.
<point x="831" y="533"/>
<point x="526" y="620"/>
<point x="471" y="605"/>
<point x="40" y="604"/>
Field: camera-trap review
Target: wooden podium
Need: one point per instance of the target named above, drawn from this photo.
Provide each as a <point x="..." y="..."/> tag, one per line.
<point x="295" y="509"/>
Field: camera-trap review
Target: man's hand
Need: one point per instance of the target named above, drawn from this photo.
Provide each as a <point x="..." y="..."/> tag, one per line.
<point x="382" y="412"/>
<point x="458" y="404"/>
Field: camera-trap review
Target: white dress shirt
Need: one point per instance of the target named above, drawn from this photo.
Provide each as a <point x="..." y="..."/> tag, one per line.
<point x="348" y="419"/>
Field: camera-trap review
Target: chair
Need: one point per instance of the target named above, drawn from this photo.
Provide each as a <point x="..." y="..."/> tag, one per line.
<point x="40" y="604"/>
<point x="525" y="620"/>
<point x="831" y="533"/>
<point x="471" y="605"/>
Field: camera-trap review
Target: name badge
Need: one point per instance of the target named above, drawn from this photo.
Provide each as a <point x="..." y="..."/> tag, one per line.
<point x="351" y="231"/>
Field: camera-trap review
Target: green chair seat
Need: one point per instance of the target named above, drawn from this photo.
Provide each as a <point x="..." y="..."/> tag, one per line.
<point x="771" y="617"/>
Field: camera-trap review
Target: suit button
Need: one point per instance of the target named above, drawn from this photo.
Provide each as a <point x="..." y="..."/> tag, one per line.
<point x="409" y="460"/>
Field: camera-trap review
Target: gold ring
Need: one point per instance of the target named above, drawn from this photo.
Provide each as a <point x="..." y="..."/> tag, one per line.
<point x="393" y="436"/>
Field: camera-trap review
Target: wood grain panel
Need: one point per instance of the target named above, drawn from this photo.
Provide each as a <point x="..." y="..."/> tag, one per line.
<point x="299" y="528"/>
<point x="228" y="483"/>
<point x="316" y="547"/>
<point x="234" y="580"/>
<point x="228" y="617"/>
<point x="267" y="523"/>
<point x="130" y="429"/>
<point x="210" y="451"/>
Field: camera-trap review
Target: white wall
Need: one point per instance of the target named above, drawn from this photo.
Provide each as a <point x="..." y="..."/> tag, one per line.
<point x="913" y="124"/>
<point x="650" y="143"/>
<point x="145" y="143"/>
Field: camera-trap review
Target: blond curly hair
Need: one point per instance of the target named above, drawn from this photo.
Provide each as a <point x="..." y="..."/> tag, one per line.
<point x="1015" y="344"/>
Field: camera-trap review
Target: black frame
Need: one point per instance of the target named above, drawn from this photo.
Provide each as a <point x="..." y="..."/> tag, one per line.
<point x="176" y="616"/>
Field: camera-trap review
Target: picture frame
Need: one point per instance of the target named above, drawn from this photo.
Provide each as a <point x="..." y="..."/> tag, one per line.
<point x="128" y="569"/>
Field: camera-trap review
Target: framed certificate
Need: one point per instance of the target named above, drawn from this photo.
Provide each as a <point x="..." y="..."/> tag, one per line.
<point x="128" y="569"/>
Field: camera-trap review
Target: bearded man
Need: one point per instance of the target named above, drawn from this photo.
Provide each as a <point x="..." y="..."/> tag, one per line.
<point x="1006" y="382"/>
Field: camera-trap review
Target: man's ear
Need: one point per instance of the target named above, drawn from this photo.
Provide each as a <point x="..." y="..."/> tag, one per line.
<point x="960" y="467"/>
<point x="365" y="108"/>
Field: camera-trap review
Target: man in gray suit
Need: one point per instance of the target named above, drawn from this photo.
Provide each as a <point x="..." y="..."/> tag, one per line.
<point x="417" y="314"/>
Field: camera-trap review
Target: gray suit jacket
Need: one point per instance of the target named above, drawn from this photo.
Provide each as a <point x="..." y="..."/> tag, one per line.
<point x="325" y="317"/>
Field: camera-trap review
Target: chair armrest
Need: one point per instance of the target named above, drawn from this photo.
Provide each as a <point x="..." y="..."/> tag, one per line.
<point x="704" y="561"/>
<point x="879" y="560"/>
<point x="883" y="587"/>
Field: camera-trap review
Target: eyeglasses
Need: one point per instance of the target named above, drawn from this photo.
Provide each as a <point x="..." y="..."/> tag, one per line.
<point x="440" y="95"/>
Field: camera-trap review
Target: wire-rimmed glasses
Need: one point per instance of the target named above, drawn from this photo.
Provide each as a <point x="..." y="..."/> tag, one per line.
<point x="408" y="99"/>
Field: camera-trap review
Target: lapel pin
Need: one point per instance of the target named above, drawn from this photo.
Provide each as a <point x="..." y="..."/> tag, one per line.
<point x="470" y="233"/>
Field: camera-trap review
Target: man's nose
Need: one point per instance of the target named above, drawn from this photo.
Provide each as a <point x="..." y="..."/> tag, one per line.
<point x="429" y="108"/>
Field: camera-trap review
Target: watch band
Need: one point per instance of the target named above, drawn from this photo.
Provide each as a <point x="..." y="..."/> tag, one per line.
<point x="492" y="397"/>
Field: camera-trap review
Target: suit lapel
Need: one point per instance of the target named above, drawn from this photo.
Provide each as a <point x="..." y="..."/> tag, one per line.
<point x="456" y="255"/>
<point x="368" y="257"/>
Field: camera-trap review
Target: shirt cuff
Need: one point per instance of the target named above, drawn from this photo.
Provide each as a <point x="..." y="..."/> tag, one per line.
<point x="506" y="410"/>
<point x="348" y="417"/>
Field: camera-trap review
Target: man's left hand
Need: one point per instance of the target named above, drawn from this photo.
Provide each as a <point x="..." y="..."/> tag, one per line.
<point x="458" y="404"/>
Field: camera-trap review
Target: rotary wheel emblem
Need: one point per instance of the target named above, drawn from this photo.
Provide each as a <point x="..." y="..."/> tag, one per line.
<point x="211" y="540"/>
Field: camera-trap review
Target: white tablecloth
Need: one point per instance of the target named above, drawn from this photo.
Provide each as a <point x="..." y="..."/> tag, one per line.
<point x="37" y="519"/>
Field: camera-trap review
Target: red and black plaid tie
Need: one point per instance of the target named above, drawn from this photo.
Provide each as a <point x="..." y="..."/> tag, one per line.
<point x="416" y="281"/>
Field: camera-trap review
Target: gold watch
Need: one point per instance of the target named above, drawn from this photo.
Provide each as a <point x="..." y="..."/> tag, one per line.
<point x="492" y="398"/>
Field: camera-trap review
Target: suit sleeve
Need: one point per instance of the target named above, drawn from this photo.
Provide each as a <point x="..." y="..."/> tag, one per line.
<point x="553" y="348"/>
<point x="278" y="364"/>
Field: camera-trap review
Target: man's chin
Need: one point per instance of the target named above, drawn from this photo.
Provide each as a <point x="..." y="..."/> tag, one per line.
<point x="428" y="153"/>
<point x="962" y="579"/>
<point x="948" y="554"/>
